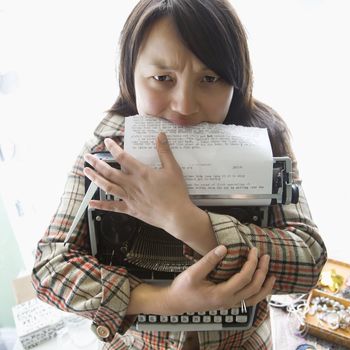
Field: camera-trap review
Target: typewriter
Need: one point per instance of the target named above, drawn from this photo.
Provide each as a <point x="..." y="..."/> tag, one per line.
<point x="156" y="257"/>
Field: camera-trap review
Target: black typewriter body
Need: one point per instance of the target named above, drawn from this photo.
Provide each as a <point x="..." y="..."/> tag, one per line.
<point x="155" y="256"/>
<point x="149" y="252"/>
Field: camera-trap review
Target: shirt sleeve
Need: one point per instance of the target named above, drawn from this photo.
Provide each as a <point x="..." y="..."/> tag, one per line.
<point x="297" y="252"/>
<point x="69" y="277"/>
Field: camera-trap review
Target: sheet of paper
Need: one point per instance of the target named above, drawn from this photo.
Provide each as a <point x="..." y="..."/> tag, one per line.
<point x="216" y="159"/>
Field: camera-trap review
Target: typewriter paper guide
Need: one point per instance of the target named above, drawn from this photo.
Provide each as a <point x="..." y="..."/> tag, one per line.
<point x="218" y="161"/>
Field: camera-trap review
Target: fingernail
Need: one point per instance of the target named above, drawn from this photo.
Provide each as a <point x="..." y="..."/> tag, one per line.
<point x="162" y="138"/>
<point x="255" y="250"/>
<point x="108" y="142"/>
<point x="220" y="251"/>
<point x="88" y="157"/>
<point x="87" y="171"/>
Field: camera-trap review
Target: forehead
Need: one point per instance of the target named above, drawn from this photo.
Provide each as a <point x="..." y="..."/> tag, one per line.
<point x="159" y="33"/>
<point x="163" y="45"/>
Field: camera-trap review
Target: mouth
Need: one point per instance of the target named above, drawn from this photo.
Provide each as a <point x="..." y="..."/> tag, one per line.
<point x="181" y="121"/>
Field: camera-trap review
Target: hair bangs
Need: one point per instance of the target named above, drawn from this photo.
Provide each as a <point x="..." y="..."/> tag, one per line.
<point x="204" y="32"/>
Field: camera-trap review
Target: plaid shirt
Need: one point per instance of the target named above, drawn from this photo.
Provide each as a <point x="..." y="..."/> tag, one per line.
<point x="68" y="277"/>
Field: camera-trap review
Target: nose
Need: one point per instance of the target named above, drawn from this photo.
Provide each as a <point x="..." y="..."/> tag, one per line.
<point x="184" y="99"/>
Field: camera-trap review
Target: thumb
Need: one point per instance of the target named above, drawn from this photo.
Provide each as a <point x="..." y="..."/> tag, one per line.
<point x="201" y="269"/>
<point x="165" y="154"/>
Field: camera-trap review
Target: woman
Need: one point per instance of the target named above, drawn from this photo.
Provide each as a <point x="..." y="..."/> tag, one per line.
<point x="185" y="61"/>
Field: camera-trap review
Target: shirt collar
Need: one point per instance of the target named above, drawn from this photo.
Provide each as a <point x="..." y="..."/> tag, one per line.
<point x="110" y="126"/>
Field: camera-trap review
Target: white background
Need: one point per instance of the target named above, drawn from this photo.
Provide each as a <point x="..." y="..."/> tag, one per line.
<point x="64" y="53"/>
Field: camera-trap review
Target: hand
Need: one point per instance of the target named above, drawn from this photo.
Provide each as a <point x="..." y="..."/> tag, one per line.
<point x="155" y="196"/>
<point x="192" y="292"/>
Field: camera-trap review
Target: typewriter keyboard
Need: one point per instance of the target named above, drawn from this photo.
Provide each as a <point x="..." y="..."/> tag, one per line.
<point x="215" y="320"/>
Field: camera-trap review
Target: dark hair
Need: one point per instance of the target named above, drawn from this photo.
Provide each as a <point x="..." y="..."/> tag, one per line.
<point x="211" y="30"/>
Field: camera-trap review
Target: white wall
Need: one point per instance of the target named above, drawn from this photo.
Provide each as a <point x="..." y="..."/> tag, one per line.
<point x="301" y="53"/>
<point x="64" y="53"/>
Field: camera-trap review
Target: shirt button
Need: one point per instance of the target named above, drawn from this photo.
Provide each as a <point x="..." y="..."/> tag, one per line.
<point x="102" y="331"/>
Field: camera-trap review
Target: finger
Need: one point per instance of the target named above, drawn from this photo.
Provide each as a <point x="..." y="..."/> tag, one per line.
<point x="165" y="154"/>
<point x="242" y="278"/>
<point x="261" y="272"/>
<point x="258" y="279"/>
<point x="103" y="168"/>
<point x="264" y="262"/>
<point x="207" y="263"/>
<point x="116" y="206"/>
<point x="126" y="161"/>
<point x="266" y="290"/>
<point x="105" y="184"/>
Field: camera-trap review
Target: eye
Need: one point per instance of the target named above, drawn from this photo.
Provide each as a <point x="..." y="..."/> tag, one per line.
<point x="162" y="77"/>
<point x="210" y="79"/>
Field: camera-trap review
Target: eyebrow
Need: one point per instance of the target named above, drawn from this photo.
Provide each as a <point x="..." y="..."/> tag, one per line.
<point x="162" y="65"/>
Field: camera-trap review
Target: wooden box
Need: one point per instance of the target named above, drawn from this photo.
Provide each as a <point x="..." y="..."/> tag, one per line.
<point x="319" y="328"/>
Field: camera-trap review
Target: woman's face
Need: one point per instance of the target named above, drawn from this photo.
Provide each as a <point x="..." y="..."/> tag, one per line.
<point x="171" y="83"/>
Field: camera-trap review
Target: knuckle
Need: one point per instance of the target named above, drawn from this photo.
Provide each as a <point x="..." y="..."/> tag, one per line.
<point x="246" y="279"/>
<point x="210" y="260"/>
<point x="108" y="172"/>
<point x="258" y="281"/>
<point x="187" y="278"/>
<point x="109" y="188"/>
<point x="143" y="172"/>
<point x="120" y="158"/>
<point x="164" y="149"/>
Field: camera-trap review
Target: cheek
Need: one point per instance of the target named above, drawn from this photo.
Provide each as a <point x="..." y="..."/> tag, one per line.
<point x="149" y="101"/>
<point x="226" y="101"/>
<point x="217" y="107"/>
